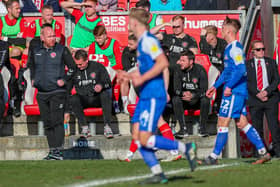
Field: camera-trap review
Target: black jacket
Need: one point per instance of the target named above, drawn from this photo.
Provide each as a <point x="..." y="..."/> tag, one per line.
<point x="194" y="80"/>
<point x="4" y="55"/>
<point x="85" y="80"/>
<point x="48" y="65"/>
<point x="273" y="81"/>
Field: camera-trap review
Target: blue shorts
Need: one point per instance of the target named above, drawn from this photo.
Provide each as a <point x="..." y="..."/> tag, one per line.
<point x="233" y="106"/>
<point x="147" y="113"/>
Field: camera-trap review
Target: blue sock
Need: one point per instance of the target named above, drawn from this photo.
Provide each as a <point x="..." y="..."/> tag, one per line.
<point x="221" y="140"/>
<point x="162" y="143"/>
<point x="148" y="156"/>
<point x="253" y="136"/>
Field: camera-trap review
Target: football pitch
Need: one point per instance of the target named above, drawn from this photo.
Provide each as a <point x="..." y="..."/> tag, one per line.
<point x="86" y="173"/>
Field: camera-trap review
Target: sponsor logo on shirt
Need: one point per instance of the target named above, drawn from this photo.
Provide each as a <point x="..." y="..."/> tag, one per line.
<point x="53" y="54"/>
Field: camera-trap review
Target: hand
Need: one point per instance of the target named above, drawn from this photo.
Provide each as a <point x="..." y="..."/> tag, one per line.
<point x="227" y="92"/>
<point x="60" y="82"/>
<point x="136" y="78"/>
<point x="210" y="92"/>
<point x="263" y="93"/>
<point x="98" y="88"/>
<point x="168" y="97"/>
<point x="187" y="96"/>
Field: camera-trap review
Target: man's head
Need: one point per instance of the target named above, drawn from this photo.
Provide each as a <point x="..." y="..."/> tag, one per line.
<point x="47" y="35"/>
<point x="178" y="24"/>
<point x="144" y="4"/>
<point x="81" y="59"/>
<point x="47" y="14"/>
<point x="186" y="59"/>
<point x="137" y="18"/>
<point x="258" y="48"/>
<point x="132" y="42"/>
<point x="211" y="35"/>
<point x="230" y="28"/>
<point x="90" y="7"/>
<point x="13" y="8"/>
<point x="100" y="34"/>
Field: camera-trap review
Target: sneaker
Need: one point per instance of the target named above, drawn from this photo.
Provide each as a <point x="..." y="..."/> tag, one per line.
<point x="181" y="134"/>
<point x="108" y="132"/>
<point x="172" y="157"/>
<point x="208" y="161"/>
<point x="85" y="132"/>
<point x="263" y="158"/>
<point x="54" y="156"/>
<point x="156" y="179"/>
<point x="202" y="134"/>
<point x="191" y="155"/>
<point x="127" y="158"/>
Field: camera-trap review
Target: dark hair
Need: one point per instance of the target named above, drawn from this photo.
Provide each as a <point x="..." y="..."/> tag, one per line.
<point x="45" y="25"/>
<point x="46" y="7"/>
<point x="81" y="54"/>
<point x="188" y="53"/>
<point x="144" y="4"/>
<point x="10" y="2"/>
<point x="233" y="22"/>
<point x="132" y="37"/>
<point x="99" y="30"/>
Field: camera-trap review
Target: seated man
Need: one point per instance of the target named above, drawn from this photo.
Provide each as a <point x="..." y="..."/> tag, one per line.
<point x="93" y="87"/>
<point x="190" y="85"/>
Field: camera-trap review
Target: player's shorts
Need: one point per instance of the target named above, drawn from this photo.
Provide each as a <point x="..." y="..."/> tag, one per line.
<point x="147" y="113"/>
<point x="233" y="106"/>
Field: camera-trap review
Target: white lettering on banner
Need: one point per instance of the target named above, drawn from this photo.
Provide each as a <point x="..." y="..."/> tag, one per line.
<point x="114" y="20"/>
<point x="198" y="24"/>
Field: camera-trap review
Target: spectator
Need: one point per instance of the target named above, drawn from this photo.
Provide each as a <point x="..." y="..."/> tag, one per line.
<point x="190" y="85"/>
<point x="201" y="5"/>
<point x="166" y="5"/>
<point x="154" y="18"/>
<point x="262" y="80"/>
<point x="35" y="6"/>
<point x="47" y="66"/>
<point x="47" y="17"/>
<point x="214" y="47"/>
<point x="85" y="22"/>
<point x="129" y="62"/>
<point x="93" y="87"/>
<point x="3" y="9"/>
<point x="107" y="5"/>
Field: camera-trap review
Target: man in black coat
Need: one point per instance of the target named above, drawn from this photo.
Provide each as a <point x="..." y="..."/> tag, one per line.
<point x="263" y="80"/>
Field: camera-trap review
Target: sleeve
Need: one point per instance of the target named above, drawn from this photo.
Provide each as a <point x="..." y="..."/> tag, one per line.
<point x="252" y="89"/>
<point x="58" y="29"/>
<point x="240" y="69"/>
<point x="220" y="81"/>
<point x="7" y="62"/>
<point x="69" y="62"/>
<point x="118" y="56"/>
<point x="125" y="59"/>
<point x="103" y="76"/>
<point x="100" y="23"/>
<point x="23" y="27"/>
<point x="30" y="63"/>
<point x="77" y="14"/>
<point x="193" y="43"/>
<point x="31" y="30"/>
<point x="275" y="78"/>
<point x="152" y="47"/>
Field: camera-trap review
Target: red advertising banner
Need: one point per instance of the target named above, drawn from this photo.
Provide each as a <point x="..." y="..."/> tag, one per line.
<point x="117" y="25"/>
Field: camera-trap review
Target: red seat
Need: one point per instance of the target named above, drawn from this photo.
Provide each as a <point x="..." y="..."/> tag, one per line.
<point x="132" y="3"/>
<point x="192" y="112"/>
<point x="93" y="112"/>
<point x="6" y="76"/>
<point x="32" y="109"/>
<point x="122" y="5"/>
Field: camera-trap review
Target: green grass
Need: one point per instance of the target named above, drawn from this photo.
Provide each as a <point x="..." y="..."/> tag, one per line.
<point x="61" y="173"/>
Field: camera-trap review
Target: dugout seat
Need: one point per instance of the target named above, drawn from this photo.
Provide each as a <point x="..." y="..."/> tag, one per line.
<point x="132" y="3"/>
<point x="122" y="5"/>
<point x="6" y="75"/>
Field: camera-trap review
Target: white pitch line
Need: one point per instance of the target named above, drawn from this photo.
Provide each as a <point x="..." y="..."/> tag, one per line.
<point x="132" y="178"/>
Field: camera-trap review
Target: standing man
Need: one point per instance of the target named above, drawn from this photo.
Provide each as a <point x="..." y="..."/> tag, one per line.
<point x="262" y="80"/>
<point x="47" y="65"/>
<point x="85" y="22"/>
<point x="190" y="85"/>
<point x="34" y="29"/>
<point x="151" y="104"/>
<point x="93" y="87"/>
<point x="234" y="97"/>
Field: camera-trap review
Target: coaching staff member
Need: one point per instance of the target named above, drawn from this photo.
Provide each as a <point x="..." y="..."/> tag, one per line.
<point x="263" y="79"/>
<point x="47" y="65"/>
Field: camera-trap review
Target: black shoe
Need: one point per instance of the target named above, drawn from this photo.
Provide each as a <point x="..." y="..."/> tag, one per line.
<point x="181" y="134"/>
<point x="54" y="155"/>
<point x="156" y="179"/>
<point x="208" y="161"/>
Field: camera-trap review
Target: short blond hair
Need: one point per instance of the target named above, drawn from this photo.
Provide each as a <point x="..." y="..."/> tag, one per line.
<point x="211" y="29"/>
<point x="141" y="15"/>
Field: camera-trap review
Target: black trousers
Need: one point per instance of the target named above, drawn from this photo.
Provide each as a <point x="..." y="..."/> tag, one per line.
<point x="270" y="110"/>
<point x="52" y="113"/>
<point x="179" y="106"/>
<point x="103" y="99"/>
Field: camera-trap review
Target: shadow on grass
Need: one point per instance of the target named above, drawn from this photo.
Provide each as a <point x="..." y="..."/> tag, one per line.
<point x="176" y="178"/>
